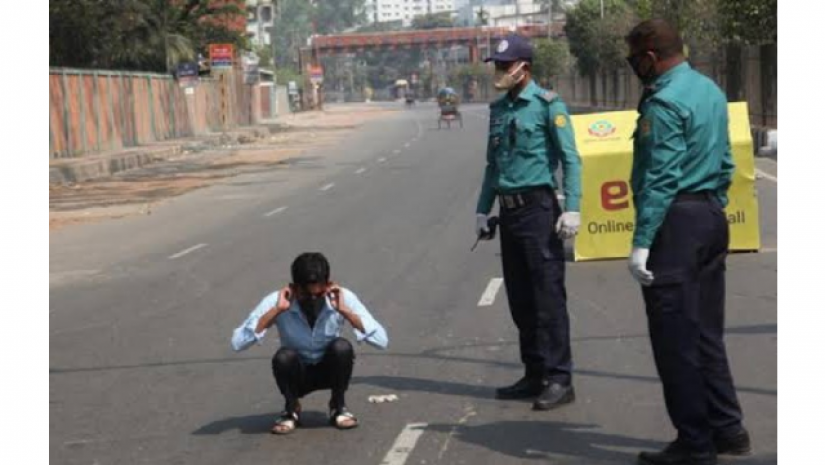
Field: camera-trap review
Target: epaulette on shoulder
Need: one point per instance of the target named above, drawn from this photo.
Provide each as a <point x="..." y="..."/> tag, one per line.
<point x="549" y="96"/>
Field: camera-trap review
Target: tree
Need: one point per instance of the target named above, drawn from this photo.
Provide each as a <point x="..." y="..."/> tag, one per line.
<point x="596" y="42"/>
<point x="333" y="16"/>
<point x="291" y="30"/>
<point x="697" y="20"/>
<point x="147" y="35"/>
<point x="433" y="21"/>
<point x="551" y="58"/>
<point x="76" y="32"/>
<point x="749" y="21"/>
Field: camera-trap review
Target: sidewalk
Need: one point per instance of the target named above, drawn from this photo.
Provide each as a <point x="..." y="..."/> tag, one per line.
<point x="133" y="181"/>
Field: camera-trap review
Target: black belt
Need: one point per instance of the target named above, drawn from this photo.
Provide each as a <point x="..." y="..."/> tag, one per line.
<point x="522" y="199"/>
<point x="701" y="196"/>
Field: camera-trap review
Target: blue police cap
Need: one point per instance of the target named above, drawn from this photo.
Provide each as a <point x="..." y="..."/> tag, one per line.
<point x="512" y="48"/>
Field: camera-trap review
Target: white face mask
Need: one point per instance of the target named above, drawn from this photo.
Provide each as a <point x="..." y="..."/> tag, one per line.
<point x="507" y="80"/>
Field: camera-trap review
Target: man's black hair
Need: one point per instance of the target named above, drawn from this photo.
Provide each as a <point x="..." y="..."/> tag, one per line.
<point x="310" y="268"/>
<point x="658" y="36"/>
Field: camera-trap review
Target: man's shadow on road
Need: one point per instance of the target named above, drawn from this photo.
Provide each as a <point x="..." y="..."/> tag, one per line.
<point x="260" y="424"/>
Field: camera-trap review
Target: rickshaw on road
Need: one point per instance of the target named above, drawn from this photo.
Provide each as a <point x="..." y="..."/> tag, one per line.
<point x="448" y="108"/>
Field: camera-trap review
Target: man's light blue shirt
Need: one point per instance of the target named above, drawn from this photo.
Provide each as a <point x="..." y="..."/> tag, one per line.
<point x="295" y="332"/>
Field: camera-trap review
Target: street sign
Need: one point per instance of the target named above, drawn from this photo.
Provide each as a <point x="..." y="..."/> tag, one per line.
<point x="316" y="74"/>
<point x="221" y="55"/>
<point x="292" y="87"/>
<point x="187" y="74"/>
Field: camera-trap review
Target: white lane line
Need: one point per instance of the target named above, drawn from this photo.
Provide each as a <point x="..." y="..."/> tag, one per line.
<point x="187" y="251"/>
<point x="396" y="151"/>
<point x="361" y="171"/>
<point x="453" y="431"/>
<point x="382" y="160"/>
<point x="275" y="212"/>
<point x="328" y="187"/>
<point x="489" y="295"/>
<point x="763" y="175"/>
<point x="407" y="145"/>
<point x="404" y="444"/>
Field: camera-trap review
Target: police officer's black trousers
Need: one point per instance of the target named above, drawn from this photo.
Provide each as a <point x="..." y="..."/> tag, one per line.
<point x="533" y="262"/>
<point x="686" y="318"/>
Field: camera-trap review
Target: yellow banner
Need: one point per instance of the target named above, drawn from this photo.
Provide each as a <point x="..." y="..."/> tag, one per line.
<point x="606" y="147"/>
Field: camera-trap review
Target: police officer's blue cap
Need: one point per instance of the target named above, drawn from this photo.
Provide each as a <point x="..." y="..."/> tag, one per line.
<point x="511" y="48"/>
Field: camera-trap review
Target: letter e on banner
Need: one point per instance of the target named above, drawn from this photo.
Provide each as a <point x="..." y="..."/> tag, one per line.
<point x="615" y="195"/>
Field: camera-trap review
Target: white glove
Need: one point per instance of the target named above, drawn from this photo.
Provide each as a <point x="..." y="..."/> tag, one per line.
<point x="481" y="224"/>
<point x="637" y="263"/>
<point x="568" y="225"/>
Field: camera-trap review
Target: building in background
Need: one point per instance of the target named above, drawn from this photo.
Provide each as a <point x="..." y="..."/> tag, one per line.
<point x="507" y="13"/>
<point x="383" y="11"/>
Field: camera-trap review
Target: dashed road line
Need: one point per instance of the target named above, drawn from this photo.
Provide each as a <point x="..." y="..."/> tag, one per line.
<point x="186" y="251"/>
<point x="328" y="187"/>
<point x="275" y="212"/>
<point x="489" y="295"/>
<point x="404" y="444"/>
<point x="361" y="171"/>
<point x="763" y="175"/>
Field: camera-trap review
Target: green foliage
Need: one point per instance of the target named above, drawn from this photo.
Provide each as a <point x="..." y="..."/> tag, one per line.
<point x="550" y="58"/>
<point x="596" y="42"/>
<point x="433" y="21"/>
<point x="333" y="16"/>
<point x="284" y="75"/>
<point x="149" y="35"/>
<point x="749" y="21"/>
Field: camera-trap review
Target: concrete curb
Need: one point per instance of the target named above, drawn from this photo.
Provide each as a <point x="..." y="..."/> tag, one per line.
<point x="91" y="167"/>
<point x="95" y="167"/>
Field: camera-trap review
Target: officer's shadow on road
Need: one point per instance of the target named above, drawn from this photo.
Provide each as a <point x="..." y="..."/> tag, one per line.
<point x="547" y="440"/>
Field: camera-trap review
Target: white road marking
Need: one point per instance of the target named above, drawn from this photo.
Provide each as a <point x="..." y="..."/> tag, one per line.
<point x="407" y="145"/>
<point x="187" y="251"/>
<point x="763" y="175"/>
<point x="453" y="430"/>
<point x="396" y="151"/>
<point x="361" y="171"/>
<point x="275" y="212"/>
<point x="328" y="187"/>
<point x="404" y="444"/>
<point x="382" y="160"/>
<point x="489" y="295"/>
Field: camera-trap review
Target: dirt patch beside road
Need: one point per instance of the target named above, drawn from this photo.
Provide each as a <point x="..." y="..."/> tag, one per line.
<point x="137" y="192"/>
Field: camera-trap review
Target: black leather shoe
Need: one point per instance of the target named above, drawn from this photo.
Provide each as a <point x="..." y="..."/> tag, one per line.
<point x="738" y="444"/>
<point x="554" y="395"/>
<point x="677" y="454"/>
<point x="524" y="388"/>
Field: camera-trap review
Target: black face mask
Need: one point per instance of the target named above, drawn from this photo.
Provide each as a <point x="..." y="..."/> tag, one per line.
<point x="635" y="62"/>
<point x="312" y="307"/>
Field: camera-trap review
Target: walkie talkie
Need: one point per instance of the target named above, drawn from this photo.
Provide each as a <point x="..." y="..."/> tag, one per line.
<point x="492" y="225"/>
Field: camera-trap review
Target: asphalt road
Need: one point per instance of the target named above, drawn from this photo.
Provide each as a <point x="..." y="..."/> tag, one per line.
<point x="142" y="309"/>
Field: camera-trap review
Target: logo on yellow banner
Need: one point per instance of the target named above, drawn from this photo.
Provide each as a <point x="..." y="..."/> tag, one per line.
<point x="601" y="128"/>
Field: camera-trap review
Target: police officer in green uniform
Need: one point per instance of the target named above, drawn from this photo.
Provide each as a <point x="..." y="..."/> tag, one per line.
<point x="530" y="134"/>
<point x="682" y="169"/>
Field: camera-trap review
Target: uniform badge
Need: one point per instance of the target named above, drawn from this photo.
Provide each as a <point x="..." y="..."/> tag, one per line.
<point x="503" y="46"/>
<point x="560" y="121"/>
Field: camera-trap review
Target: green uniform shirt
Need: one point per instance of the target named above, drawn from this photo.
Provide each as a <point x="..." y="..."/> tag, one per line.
<point x="528" y="137"/>
<point x="681" y="145"/>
